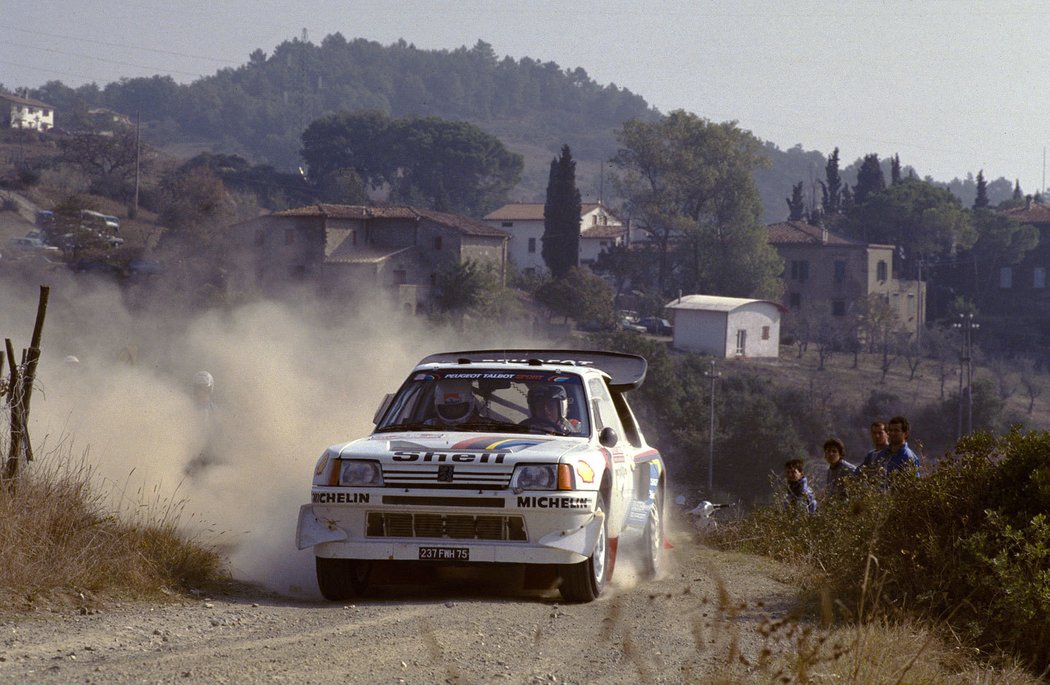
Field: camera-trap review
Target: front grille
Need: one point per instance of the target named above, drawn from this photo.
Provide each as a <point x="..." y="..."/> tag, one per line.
<point x="445" y="526"/>
<point x="489" y="477"/>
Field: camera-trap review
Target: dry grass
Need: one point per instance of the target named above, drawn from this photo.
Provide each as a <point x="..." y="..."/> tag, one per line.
<point x="819" y="640"/>
<point x="60" y="536"/>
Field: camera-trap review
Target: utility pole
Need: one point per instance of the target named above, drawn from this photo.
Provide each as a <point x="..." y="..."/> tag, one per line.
<point x="966" y="326"/>
<point x="138" y="150"/>
<point x="711" y="433"/>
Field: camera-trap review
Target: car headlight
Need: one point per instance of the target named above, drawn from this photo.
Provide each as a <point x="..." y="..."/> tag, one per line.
<point x="535" y="477"/>
<point x="360" y="473"/>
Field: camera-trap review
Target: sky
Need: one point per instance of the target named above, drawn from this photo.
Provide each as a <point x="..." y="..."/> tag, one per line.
<point x="952" y="86"/>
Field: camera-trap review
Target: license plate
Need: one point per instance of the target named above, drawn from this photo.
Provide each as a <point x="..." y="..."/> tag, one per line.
<point x="445" y="553"/>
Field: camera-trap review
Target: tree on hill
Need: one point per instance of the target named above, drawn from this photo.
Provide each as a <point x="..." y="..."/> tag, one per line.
<point x="450" y="166"/>
<point x="981" y="201"/>
<point x="870" y="179"/>
<point x="832" y="188"/>
<point x="109" y="161"/>
<point x="580" y="295"/>
<point x="561" y="216"/>
<point x="921" y="219"/>
<point x="688" y="183"/>
<point x="796" y="203"/>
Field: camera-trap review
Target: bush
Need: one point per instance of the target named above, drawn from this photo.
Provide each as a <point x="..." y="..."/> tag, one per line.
<point x="58" y="535"/>
<point x="969" y="542"/>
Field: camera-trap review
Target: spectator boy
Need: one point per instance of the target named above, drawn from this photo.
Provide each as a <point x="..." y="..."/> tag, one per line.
<point x="799" y="495"/>
<point x="838" y="468"/>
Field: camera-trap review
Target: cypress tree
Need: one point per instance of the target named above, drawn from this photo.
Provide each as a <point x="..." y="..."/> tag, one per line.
<point x="833" y="188"/>
<point x="561" y="216"/>
<point x="895" y="170"/>
<point x="981" y="201"/>
<point x="1018" y="195"/>
<point x="796" y="203"/>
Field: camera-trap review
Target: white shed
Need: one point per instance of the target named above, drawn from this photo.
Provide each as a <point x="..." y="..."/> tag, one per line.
<point x="727" y="327"/>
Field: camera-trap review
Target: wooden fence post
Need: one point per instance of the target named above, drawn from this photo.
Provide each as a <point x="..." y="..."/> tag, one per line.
<point x="20" y="391"/>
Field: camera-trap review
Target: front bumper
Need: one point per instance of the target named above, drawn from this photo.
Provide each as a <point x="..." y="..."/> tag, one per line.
<point x="528" y="527"/>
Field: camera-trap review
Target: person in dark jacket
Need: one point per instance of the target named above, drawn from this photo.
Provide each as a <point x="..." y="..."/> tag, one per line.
<point x="839" y="470"/>
<point x="799" y="495"/>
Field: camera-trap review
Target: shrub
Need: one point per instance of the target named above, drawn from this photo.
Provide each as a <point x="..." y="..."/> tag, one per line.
<point x="58" y="534"/>
<point x="969" y="542"/>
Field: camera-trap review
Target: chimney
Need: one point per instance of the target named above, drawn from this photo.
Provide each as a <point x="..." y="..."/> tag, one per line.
<point x="823" y="234"/>
<point x="1027" y="202"/>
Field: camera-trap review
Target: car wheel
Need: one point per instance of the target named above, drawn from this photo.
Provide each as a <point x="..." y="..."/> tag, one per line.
<point x="654" y="540"/>
<point x="341" y="579"/>
<point x="584" y="581"/>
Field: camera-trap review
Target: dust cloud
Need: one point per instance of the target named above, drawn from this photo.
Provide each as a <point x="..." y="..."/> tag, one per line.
<point x="291" y="378"/>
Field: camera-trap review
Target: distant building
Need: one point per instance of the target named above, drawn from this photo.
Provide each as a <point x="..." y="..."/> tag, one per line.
<point x="825" y="273"/>
<point x="599" y="230"/>
<point x="355" y="249"/>
<point x="26" y="113"/>
<point x="726" y="327"/>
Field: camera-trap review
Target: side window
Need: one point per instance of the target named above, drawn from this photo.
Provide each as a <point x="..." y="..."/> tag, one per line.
<point x="603" y="408"/>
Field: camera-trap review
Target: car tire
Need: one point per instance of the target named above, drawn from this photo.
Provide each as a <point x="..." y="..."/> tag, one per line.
<point x="342" y="579"/>
<point x="653" y="540"/>
<point x="585" y="580"/>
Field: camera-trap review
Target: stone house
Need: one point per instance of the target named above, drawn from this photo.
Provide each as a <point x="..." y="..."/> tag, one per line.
<point x="825" y="274"/>
<point x="599" y="230"/>
<point x="344" y="250"/>
<point x="26" y="113"/>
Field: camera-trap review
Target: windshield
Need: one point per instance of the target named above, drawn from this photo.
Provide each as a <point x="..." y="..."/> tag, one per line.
<point x="490" y="400"/>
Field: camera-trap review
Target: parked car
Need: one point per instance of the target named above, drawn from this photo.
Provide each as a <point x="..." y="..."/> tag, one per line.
<point x="493" y="457"/>
<point x="33" y="246"/>
<point x="657" y="326"/>
<point x="631" y="327"/>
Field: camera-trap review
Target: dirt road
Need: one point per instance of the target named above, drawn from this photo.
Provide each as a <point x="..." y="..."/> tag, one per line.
<point x="685" y="627"/>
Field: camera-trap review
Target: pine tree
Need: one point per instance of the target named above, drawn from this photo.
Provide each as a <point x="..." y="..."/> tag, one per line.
<point x="796" y="203"/>
<point x="981" y="201"/>
<point x="561" y="216"/>
<point x="833" y="189"/>
<point x="870" y="179"/>
<point x="895" y="170"/>
<point x="1018" y="195"/>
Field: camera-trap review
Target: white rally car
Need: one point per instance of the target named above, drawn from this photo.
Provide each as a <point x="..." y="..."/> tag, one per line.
<point x="493" y="457"/>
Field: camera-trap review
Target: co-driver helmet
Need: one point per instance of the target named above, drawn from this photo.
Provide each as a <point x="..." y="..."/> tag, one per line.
<point x="539" y="394"/>
<point x="454" y="401"/>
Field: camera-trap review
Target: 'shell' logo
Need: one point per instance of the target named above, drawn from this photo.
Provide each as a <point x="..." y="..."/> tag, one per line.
<point x="445" y="473"/>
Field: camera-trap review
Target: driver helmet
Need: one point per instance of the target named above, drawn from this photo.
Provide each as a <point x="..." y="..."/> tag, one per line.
<point x="454" y="401"/>
<point x="203" y="379"/>
<point x="540" y="394"/>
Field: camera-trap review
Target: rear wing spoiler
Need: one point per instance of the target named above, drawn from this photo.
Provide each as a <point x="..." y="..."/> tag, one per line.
<point x="626" y="371"/>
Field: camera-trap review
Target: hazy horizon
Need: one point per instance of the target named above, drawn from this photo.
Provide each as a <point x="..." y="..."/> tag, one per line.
<point x="952" y="87"/>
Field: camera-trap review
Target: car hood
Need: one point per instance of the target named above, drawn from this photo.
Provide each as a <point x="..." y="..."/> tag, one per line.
<point x="398" y="447"/>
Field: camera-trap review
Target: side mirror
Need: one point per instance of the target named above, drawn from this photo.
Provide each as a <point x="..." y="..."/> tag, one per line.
<point x="608" y="437"/>
<point x="382" y="408"/>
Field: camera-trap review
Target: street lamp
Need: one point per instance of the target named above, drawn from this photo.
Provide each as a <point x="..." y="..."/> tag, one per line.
<point x="966" y="326"/>
<point x="711" y="432"/>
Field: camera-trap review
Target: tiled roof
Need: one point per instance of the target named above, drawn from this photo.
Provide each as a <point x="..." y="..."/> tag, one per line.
<point x="604" y="232"/>
<point x="25" y="101"/>
<point x="802" y="233"/>
<point x="345" y="254"/>
<point x="532" y="211"/>
<point x="463" y="224"/>
<point x="1035" y="213"/>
